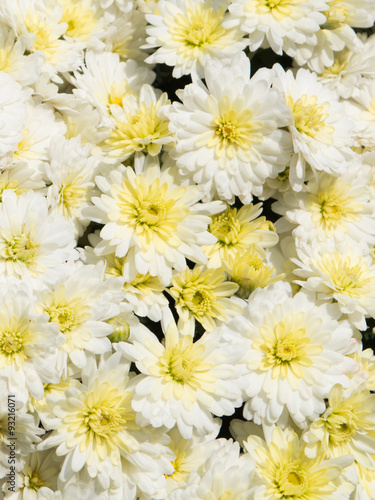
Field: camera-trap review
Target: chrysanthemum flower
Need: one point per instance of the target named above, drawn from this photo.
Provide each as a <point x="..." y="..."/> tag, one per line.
<point x="203" y="295"/>
<point x="32" y="241"/>
<point x="79" y="302"/>
<point x="97" y="428"/>
<point x="362" y="111"/>
<point x="226" y="475"/>
<point x="347" y="278"/>
<point x="295" y="352"/>
<point x="235" y="231"/>
<point x="189" y="33"/>
<point x="283" y="471"/>
<point x="184" y="382"/>
<point x="248" y="270"/>
<point x="227" y="136"/>
<point x="346" y="427"/>
<point x="320" y="130"/>
<point x="151" y="219"/>
<point x="20" y="179"/>
<point x="105" y="80"/>
<point x="282" y="25"/>
<point x="70" y="172"/>
<point x="137" y="125"/>
<point x="335" y="211"/>
<point x="28" y="342"/>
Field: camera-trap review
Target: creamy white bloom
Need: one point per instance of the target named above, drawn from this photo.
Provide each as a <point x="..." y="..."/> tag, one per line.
<point x="20" y="178"/>
<point x="32" y="241"/>
<point x="282" y="25"/>
<point x="151" y="219"/>
<point x="24" y="68"/>
<point x="184" y="382"/>
<point x="330" y="211"/>
<point x="295" y="352"/>
<point x="105" y="80"/>
<point x="362" y="110"/>
<point x="346" y="277"/>
<point x="40" y="124"/>
<point x="226" y="131"/>
<point x="188" y="33"/>
<point x="337" y="32"/>
<point x="28" y="342"/>
<point x="43" y="29"/>
<point x="96" y="429"/>
<point x="80" y="118"/>
<point x="226" y="475"/>
<point x="351" y="67"/>
<point x="320" y="130"/>
<point x="70" y="173"/>
<point x="283" y="471"/>
<point x="12" y="111"/>
<point x="79" y="302"/>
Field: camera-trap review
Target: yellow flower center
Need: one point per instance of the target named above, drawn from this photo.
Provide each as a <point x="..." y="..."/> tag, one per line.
<point x="233" y="128"/>
<point x="340" y="64"/>
<point x="337" y="15"/>
<point x="199" y="28"/>
<point x="292" y="481"/>
<point x="139" y="132"/>
<point x="81" y="21"/>
<point x="63" y="316"/>
<point x="183" y="361"/>
<point x="21" y="248"/>
<point x="118" y="91"/>
<point x="5" y="60"/>
<point x="34" y="482"/>
<point x="103" y="420"/>
<point x="278" y="8"/>
<point x="70" y="197"/>
<point x="309" y="117"/>
<point x="226" y="227"/>
<point x="45" y="40"/>
<point x="23" y="150"/>
<point x="13" y="341"/>
<point x="341" y="425"/>
<point x="333" y="207"/>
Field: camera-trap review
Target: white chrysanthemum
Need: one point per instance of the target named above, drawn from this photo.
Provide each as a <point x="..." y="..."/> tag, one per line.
<point x="336" y="211"/>
<point x="28" y="342"/>
<point x="282" y="25"/>
<point x="105" y="80"/>
<point x="336" y="33"/>
<point x="39" y="126"/>
<point x="295" y="352"/>
<point x="191" y="455"/>
<point x="227" y="136"/>
<point x="188" y="33"/>
<point x="203" y="295"/>
<point x="226" y="475"/>
<point x="320" y="130"/>
<point x="70" y="173"/>
<point x="12" y="111"/>
<point x="350" y="67"/>
<point x="80" y="120"/>
<point x="236" y="230"/>
<point x="43" y="29"/>
<point x="20" y="178"/>
<point x="184" y="382"/>
<point x="137" y="125"/>
<point x="127" y="35"/>
<point x="283" y="471"/>
<point x="346" y="277"/>
<point x="25" y="429"/>
<point x="32" y="241"/>
<point x="346" y="427"/>
<point x="97" y="430"/>
<point x="37" y="478"/>
<point x="144" y="293"/>
<point x="25" y="69"/>
<point x="362" y="111"/>
<point x="151" y="219"/>
<point x="79" y="302"/>
<point x="87" y="22"/>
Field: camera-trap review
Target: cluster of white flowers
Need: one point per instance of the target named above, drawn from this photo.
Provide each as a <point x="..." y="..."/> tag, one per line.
<point x="144" y="299"/>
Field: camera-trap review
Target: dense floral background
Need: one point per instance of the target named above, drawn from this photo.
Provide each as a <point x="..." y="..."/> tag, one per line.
<point x="187" y="249"/>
